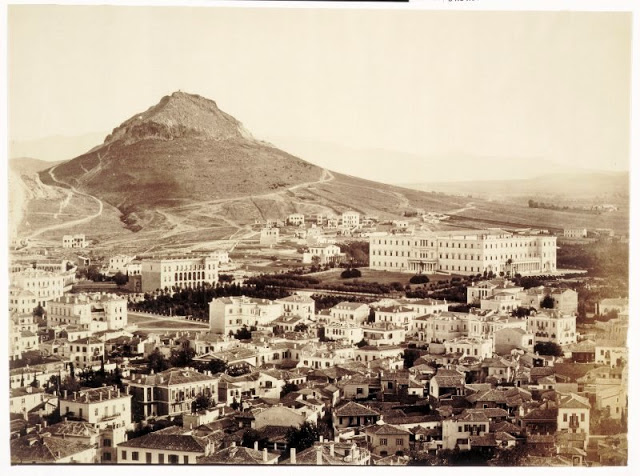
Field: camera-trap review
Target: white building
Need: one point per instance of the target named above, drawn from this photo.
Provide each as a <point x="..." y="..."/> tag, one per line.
<point x="269" y="236"/>
<point x="298" y="305"/>
<point x="45" y="285"/>
<point x="119" y="263"/>
<point x="74" y="241"/>
<point x="229" y="314"/>
<point x="86" y="309"/>
<point x="179" y="272"/>
<point x="344" y="331"/>
<point x="350" y="219"/>
<point x="295" y="219"/>
<point x="464" y="252"/>
<point x="573" y="415"/>
<point x="21" y="301"/>
<point x="350" y="311"/>
<point x="575" y="232"/>
<point x="552" y="326"/>
<point x="470" y="347"/>
<point x="325" y="254"/>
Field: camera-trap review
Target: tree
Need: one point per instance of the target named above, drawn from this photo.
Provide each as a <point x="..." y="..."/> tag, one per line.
<point x="547" y="302"/>
<point x="303" y="437"/>
<point x="302" y="327"/>
<point x="182" y="357"/>
<point x="361" y="344"/>
<point x="419" y="279"/>
<point x="288" y="388"/>
<point x="201" y="402"/>
<point x="38" y="311"/>
<point x="510" y="456"/>
<point x="548" y="348"/>
<point x="217" y="366"/>
<point x="157" y="362"/>
<point x="120" y="279"/>
<point x="410" y="356"/>
<point x="243" y="333"/>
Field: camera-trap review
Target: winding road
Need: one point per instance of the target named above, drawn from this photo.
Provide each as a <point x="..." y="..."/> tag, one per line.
<point x="68" y="224"/>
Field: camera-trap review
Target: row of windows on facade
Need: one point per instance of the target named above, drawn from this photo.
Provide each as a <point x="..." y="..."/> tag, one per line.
<point x="171" y="458"/>
<point x="445" y="244"/>
<point x="184" y="267"/>
<point x="460" y="256"/>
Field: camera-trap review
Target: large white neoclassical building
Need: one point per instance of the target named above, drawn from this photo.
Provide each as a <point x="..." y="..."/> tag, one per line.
<point x="467" y="252"/>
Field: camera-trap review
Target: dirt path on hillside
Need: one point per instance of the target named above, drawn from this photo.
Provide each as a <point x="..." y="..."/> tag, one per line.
<point x="65" y="186"/>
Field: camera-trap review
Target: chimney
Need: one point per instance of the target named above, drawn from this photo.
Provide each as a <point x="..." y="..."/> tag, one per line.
<point x="319" y="455"/>
<point x="292" y="455"/>
<point x="233" y="444"/>
<point x="332" y="449"/>
<point x="255" y="445"/>
<point x="321" y="439"/>
<point x="265" y="455"/>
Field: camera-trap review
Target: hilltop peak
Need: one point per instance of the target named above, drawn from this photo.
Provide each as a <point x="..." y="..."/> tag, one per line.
<point x="180" y="115"/>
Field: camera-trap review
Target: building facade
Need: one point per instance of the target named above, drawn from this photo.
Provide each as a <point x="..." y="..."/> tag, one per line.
<point x="464" y="252"/>
<point x="178" y="272"/>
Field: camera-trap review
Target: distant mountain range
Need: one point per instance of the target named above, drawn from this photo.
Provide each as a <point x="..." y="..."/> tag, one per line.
<point x="400" y="168"/>
<point x="580" y="186"/>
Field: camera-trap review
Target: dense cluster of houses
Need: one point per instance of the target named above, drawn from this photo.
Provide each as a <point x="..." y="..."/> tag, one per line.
<point x="385" y="380"/>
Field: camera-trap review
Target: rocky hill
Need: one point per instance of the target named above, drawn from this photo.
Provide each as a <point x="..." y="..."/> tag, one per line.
<point x="180" y="151"/>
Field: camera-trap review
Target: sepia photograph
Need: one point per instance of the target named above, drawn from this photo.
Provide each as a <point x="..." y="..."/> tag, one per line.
<point x="319" y="234"/>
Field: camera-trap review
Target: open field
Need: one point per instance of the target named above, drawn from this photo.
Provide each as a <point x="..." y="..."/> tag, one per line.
<point x="145" y="322"/>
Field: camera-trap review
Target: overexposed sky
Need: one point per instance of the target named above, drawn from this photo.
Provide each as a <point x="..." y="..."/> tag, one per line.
<point x="551" y="85"/>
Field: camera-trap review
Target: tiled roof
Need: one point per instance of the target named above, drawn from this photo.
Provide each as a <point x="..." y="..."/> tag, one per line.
<point x="175" y="442"/>
<point x="472" y="415"/>
<point x="386" y="429"/>
<point x="174" y="377"/>
<point x="574" y="401"/>
<point x="495" y="412"/>
<point x="408" y="419"/>
<point x="237" y="455"/>
<point x="549" y="414"/>
<point x="73" y="428"/>
<point x="487" y="439"/>
<point x="88" y="395"/>
<point x="355" y="409"/>
<point x="44" y="449"/>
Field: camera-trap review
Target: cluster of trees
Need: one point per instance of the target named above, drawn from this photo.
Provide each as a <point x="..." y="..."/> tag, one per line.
<point x="604" y="259"/>
<point x="551" y="206"/>
<point x="92" y="273"/>
<point x="548" y="348"/>
<point x="357" y="252"/>
<point x="475" y="457"/>
<point x="195" y="302"/>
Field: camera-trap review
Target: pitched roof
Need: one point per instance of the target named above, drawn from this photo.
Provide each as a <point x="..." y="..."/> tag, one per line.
<point x="355" y="409"/>
<point x="237" y="455"/>
<point x="175" y="377"/>
<point x="73" y="428"/>
<point x="162" y="440"/>
<point x="488" y="439"/>
<point x="386" y="429"/>
<point x="44" y="449"/>
<point x="574" y="401"/>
